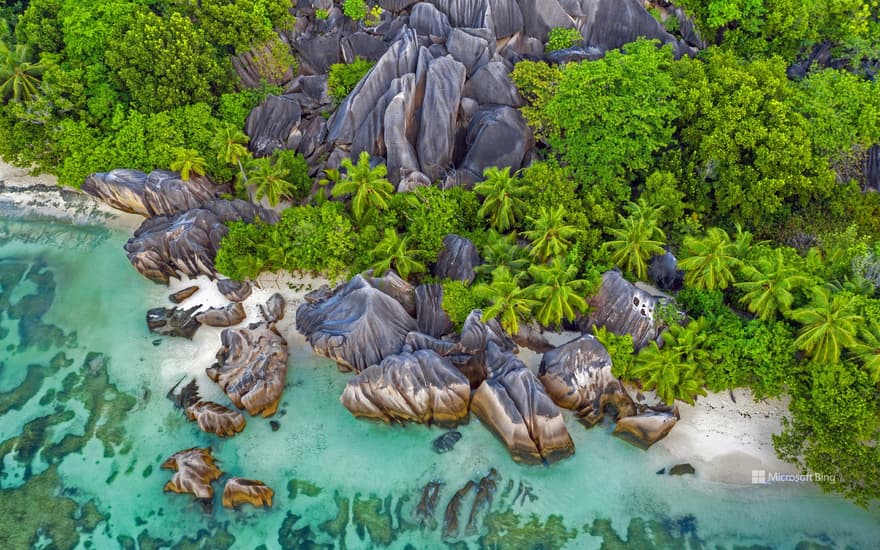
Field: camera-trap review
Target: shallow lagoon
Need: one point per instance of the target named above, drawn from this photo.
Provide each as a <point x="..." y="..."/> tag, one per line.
<point x="82" y="436"/>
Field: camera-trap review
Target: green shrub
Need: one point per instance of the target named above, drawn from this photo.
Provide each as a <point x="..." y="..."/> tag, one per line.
<point x="355" y="9"/>
<point x="344" y="77"/>
<point x="561" y="38"/>
<point x="321" y="14"/>
<point x="458" y="301"/>
<point x="428" y="214"/>
<point x="297" y="171"/>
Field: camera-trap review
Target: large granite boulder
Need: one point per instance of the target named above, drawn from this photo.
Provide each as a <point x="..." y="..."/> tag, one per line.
<point x="194" y="470"/>
<point x="271" y="124"/>
<point x="239" y="490"/>
<point x="665" y="273"/>
<point x="166" y="246"/>
<point x="418" y="386"/>
<point x="215" y="418"/>
<point x="540" y="16"/>
<point x="431" y="318"/>
<point x="173" y="321"/>
<point x="491" y="84"/>
<point x="514" y="405"/>
<point x="158" y="193"/>
<point x="623" y="308"/>
<point x="443" y="88"/>
<point x="234" y="291"/>
<point x="577" y="376"/>
<point x="457" y="259"/>
<point x="468" y="351"/>
<point x="251" y="367"/>
<point x="609" y="24"/>
<point x="647" y="428"/>
<point x="225" y="316"/>
<point x="504" y="18"/>
<point x="356" y="324"/>
<point x="428" y="21"/>
<point x="497" y="136"/>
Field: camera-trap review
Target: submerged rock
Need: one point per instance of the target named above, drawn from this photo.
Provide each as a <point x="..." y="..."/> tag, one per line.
<point x="577" y="376"/>
<point x="682" y="469"/>
<point x="182" y="295"/>
<point x="234" y="291"/>
<point x="239" y="490"/>
<point x="647" y="428"/>
<point x="252" y="367"/>
<point x="623" y="308"/>
<point x="226" y="316"/>
<point x="425" y="508"/>
<point x="446" y="442"/>
<point x="355" y="324"/>
<point x="194" y="470"/>
<point x="173" y="321"/>
<point x="216" y="419"/>
<point x="483" y="500"/>
<point x="514" y="405"/>
<point x="450" y="518"/>
<point x="410" y="387"/>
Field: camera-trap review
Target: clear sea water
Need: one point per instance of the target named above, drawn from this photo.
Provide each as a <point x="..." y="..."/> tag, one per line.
<point x="82" y="436"/>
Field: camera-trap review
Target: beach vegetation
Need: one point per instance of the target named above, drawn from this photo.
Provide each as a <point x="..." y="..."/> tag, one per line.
<point x="343" y="77"/>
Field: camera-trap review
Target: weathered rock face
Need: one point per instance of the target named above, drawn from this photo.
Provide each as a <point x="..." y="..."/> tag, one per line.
<point x="234" y="291"/>
<point x="515" y="406"/>
<point x="252" y="367"/>
<point x="216" y="419"/>
<point x="173" y="321"/>
<point x="446" y="442"/>
<point x="665" y="273"/>
<point x="457" y="259"/>
<point x="497" y="136"/>
<point x="226" y="316"/>
<point x="273" y="309"/>
<point x="182" y="295"/>
<point x="194" y="471"/>
<point x="610" y="24"/>
<point x="418" y="387"/>
<point x="356" y="324"/>
<point x="270" y="125"/>
<point x="430" y="316"/>
<point x="577" y="376"/>
<point x="239" y="490"/>
<point x="647" y="428"/>
<point x="623" y="308"/>
<point x="159" y="193"/>
<point x="165" y="246"/>
<point x="468" y="352"/>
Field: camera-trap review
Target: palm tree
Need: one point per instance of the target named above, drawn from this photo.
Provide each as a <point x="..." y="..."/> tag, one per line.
<point x="636" y="240"/>
<point x="19" y="77"/>
<point x="867" y="348"/>
<point x="550" y="235"/>
<point x="187" y="161"/>
<point x="709" y="262"/>
<point x="369" y="187"/>
<point x="510" y="302"/>
<point x="502" y="250"/>
<point x="270" y="181"/>
<point x="770" y="285"/>
<point x="830" y="323"/>
<point x="674" y="371"/>
<point x="557" y="291"/>
<point x="231" y="146"/>
<point x="394" y="252"/>
<point x="501" y="197"/>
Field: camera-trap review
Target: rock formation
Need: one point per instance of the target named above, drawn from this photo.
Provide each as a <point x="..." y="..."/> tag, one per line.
<point x="226" y="316"/>
<point x="514" y="405"/>
<point x="252" y="367"/>
<point x="623" y="308"/>
<point x="216" y="419"/>
<point x="446" y="442"/>
<point x="418" y="386"/>
<point x="457" y="259"/>
<point x="239" y="491"/>
<point x="234" y="291"/>
<point x="194" y="470"/>
<point x="431" y="318"/>
<point x="577" y="376"/>
<point x="173" y="321"/>
<point x="183" y="295"/>
<point x="158" y="193"/>
<point x="665" y="273"/>
<point x="647" y="428"/>
<point x="273" y="310"/>
<point x="425" y="509"/>
<point x="356" y="324"/>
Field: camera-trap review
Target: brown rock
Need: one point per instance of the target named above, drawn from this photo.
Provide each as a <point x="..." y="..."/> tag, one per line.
<point x="577" y="375"/>
<point x="234" y="291"/>
<point x="216" y="419"/>
<point x="252" y="367"/>
<point x="226" y="316"/>
<point x="646" y="429"/>
<point x="194" y="471"/>
<point x="182" y="295"/>
<point x="239" y="490"/>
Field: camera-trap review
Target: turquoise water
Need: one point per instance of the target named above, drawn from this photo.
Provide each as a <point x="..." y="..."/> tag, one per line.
<point x="84" y="427"/>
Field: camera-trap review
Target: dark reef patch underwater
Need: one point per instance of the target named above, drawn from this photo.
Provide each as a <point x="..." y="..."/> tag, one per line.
<point x="84" y="429"/>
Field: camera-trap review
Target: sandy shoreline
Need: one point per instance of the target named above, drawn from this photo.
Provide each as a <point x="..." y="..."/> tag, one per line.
<point x="724" y="440"/>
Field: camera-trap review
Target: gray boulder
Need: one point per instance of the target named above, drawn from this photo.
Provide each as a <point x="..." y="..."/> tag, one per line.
<point x="418" y="386"/>
<point x="395" y="6"/>
<point x="158" y="193"/>
<point x="623" y="308"/>
<point x="504" y="18"/>
<point x="491" y="84"/>
<point x="443" y="87"/>
<point x="497" y="136"/>
<point x="236" y="291"/>
<point x="271" y="124"/>
<point x="540" y="16"/>
<point x="273" y="310"/>
<point x="356" y="324"/>
<point x="610" y="24"/>
<point x="471" y="51"/>
<point x="577" y="376"/>
<point x="463" y="13"/>
<point x="362" y="45"/>
<point x="513" y="404"/>
<point x="317" y="52"/>
<point x="575" y="54"/>
<point x="431" y="319"/>
<point x="123" y="189"/>
<point x="665" y="273"/>
<point x="428" y="21"/>
<point x="173" y="321"/>
<point x="457" y="259"/>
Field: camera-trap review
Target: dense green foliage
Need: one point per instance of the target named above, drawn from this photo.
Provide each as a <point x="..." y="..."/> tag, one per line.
<point x="343" y="77"/>
<point x="561" y="38"/>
